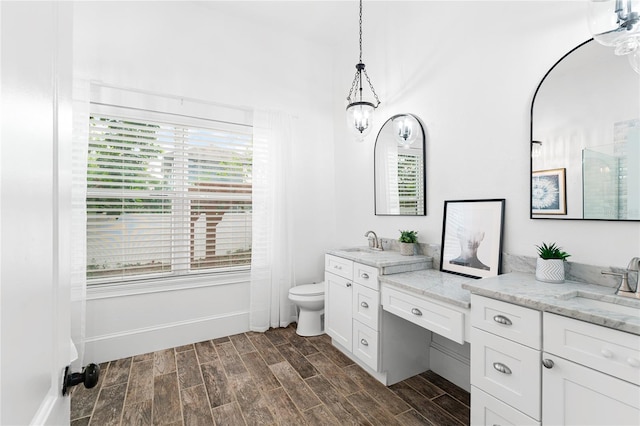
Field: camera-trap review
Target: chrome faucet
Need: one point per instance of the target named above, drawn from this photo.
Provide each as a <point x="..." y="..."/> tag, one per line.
<point x="374" y="243"/>
<point x="624" y="289"/>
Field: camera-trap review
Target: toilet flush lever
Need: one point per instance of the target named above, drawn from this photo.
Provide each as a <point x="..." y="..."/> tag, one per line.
<point x="89" y="377"/>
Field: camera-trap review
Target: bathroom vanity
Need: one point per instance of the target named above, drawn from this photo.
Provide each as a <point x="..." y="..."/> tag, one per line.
<point x="540" y="353"/>
<point x="384" y="346"/>
<point x="553" y="353"/>
<point x="381" y="309"/>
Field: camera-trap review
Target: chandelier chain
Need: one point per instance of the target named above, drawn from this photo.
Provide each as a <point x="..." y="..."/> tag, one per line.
<point x="360" y="24"/>
<point x="360" y="68"/>
<point x="375" y="95"/>
<point x="356" y="78"/>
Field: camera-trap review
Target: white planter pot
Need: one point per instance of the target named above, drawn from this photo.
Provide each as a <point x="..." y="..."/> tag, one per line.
<point x="406" y="249"/>
<point x="550" y="270"/>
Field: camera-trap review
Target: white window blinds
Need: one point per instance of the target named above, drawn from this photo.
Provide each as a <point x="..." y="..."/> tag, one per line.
<point x="167" y="196"/>
<point x="410" y="184"/>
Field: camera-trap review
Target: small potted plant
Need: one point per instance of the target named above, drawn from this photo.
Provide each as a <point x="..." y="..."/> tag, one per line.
<point x="550" y="264"/>
<point x="407" y="242"/>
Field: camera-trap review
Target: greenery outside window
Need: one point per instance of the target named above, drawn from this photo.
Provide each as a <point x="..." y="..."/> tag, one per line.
<point x="410" y="184"/>
<point x="167" y="199"/>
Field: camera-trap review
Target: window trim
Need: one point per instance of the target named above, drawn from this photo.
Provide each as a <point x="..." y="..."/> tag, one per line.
<point x="167" y="281"/>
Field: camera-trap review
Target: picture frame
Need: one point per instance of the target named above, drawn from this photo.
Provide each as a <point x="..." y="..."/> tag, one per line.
<point x="548" y="192"/>
<point x="472" y="237"/>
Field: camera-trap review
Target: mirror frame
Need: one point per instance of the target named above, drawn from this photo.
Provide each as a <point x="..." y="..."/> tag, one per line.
<point x="424" y="170"/>
<point x="531" y="140"/>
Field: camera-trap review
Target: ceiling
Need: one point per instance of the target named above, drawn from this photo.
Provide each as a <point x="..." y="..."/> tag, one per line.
<point x="326" y="22"/>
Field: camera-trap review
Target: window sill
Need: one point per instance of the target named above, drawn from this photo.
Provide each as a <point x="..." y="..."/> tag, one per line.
<point x="104" y="291"/>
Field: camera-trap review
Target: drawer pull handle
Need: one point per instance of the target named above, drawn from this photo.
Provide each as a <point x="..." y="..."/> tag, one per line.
<point x="364" y="304"/>
<point x="364" y="342"/>
<point x="364" y="275"/>
<point x="348" y="284"/>
<point x="606" y="353"/>
<point x="501" y="319"/>
<point x="501" y="368"/>
<point x="634" y="362"/>
<point x="416" y="311"/>
<point x="548" y="363"/>
<point x="337" y="267"/>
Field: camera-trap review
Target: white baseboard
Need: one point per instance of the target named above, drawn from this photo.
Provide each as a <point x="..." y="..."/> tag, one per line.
<point x="451" y="363"/>
<point x="139" y="341"/>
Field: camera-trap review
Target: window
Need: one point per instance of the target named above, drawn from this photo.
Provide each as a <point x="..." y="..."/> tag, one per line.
<point x="166" y="197"/>
<point x="410" y="183"/>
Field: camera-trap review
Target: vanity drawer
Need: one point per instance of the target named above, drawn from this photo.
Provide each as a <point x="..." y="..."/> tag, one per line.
<point x="489" y="411"/>
<point x="339" y="266"/>
<point x="506" y="370"/>
<point x="365" y="344"/>
<point x="366" y="275"/>
<point x="366" y="304"/>
<point x="432" y="316"/>
<point x="517" y="323"/>
<point x="604" y="349"/>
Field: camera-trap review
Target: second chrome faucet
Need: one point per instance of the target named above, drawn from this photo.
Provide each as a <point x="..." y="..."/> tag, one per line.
<point x="624" y="289"/>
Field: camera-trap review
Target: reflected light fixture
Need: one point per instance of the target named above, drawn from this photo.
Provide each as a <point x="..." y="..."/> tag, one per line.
<point x="405" y="129"/>
<point x="616" y="23"/>
<point x="360" y="108"/>
<point x="536" y="149"/>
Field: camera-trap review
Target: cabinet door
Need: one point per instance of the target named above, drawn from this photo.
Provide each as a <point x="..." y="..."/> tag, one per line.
<point x="337" y="309"/>
<point x="576" y="395"/>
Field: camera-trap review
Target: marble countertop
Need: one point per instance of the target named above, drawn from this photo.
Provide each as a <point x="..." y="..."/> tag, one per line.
<point x="523" y="289"/>
<point x="414" y="275"/>
<point x="433" y="284"/>
<point x="380" y="259"/>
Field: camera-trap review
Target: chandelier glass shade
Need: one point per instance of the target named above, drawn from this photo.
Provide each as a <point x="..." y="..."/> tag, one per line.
<point x="616" y="23"/>
<point x="405" y="129"/>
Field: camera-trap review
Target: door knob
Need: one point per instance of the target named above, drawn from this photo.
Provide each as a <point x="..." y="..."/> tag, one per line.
<point x="89" y="377"/>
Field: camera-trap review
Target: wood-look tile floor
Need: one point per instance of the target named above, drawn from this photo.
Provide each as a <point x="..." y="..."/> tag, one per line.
<point x="268" y="378"/>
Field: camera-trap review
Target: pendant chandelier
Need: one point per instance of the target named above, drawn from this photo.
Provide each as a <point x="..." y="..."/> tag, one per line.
<point x="405" y="129"/>
<point x="616" y="23"/>
<point x="360" y="109"/>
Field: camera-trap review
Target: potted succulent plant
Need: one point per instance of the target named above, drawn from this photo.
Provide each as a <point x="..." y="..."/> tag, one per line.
<point x="407" y="239"/>
<point x="550" y="264"/>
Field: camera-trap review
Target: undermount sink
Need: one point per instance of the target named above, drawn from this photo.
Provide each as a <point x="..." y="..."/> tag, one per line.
<point x="361" y="250"/>
<point x="615" y="304"/>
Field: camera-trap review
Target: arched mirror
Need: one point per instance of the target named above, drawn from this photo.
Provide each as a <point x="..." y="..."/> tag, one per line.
<point x="585" y="138"/>
<point x="400" y="183"/>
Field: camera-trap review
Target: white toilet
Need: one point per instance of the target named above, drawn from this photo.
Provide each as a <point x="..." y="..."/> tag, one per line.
<point x="309" y="298"/>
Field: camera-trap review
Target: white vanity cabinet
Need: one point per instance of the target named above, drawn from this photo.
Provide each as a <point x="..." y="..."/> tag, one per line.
<point x="505" y="363"/>
<point x="592" y="374"/>
<point x="387" y="347"/>
<point x="352" y="303"/>
<point x="532" y="368"/>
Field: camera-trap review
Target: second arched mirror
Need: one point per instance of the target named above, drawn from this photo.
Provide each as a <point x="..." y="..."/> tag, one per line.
<point x="399" y="168"/>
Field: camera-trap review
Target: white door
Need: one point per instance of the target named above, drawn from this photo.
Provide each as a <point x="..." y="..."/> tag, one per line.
<point x="34" y="210"/>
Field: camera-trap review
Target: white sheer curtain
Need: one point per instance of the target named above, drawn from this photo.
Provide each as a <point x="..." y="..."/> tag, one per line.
<point x="80" y="142"/>
<point x="272" y="269"/>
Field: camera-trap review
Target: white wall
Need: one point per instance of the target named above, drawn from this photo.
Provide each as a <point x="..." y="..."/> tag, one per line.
<point x="198" y="50"/>
<point x="469" y="71"/>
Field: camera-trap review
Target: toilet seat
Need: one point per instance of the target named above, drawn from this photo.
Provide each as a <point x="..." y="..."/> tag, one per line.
<point x="308" y="290"/>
